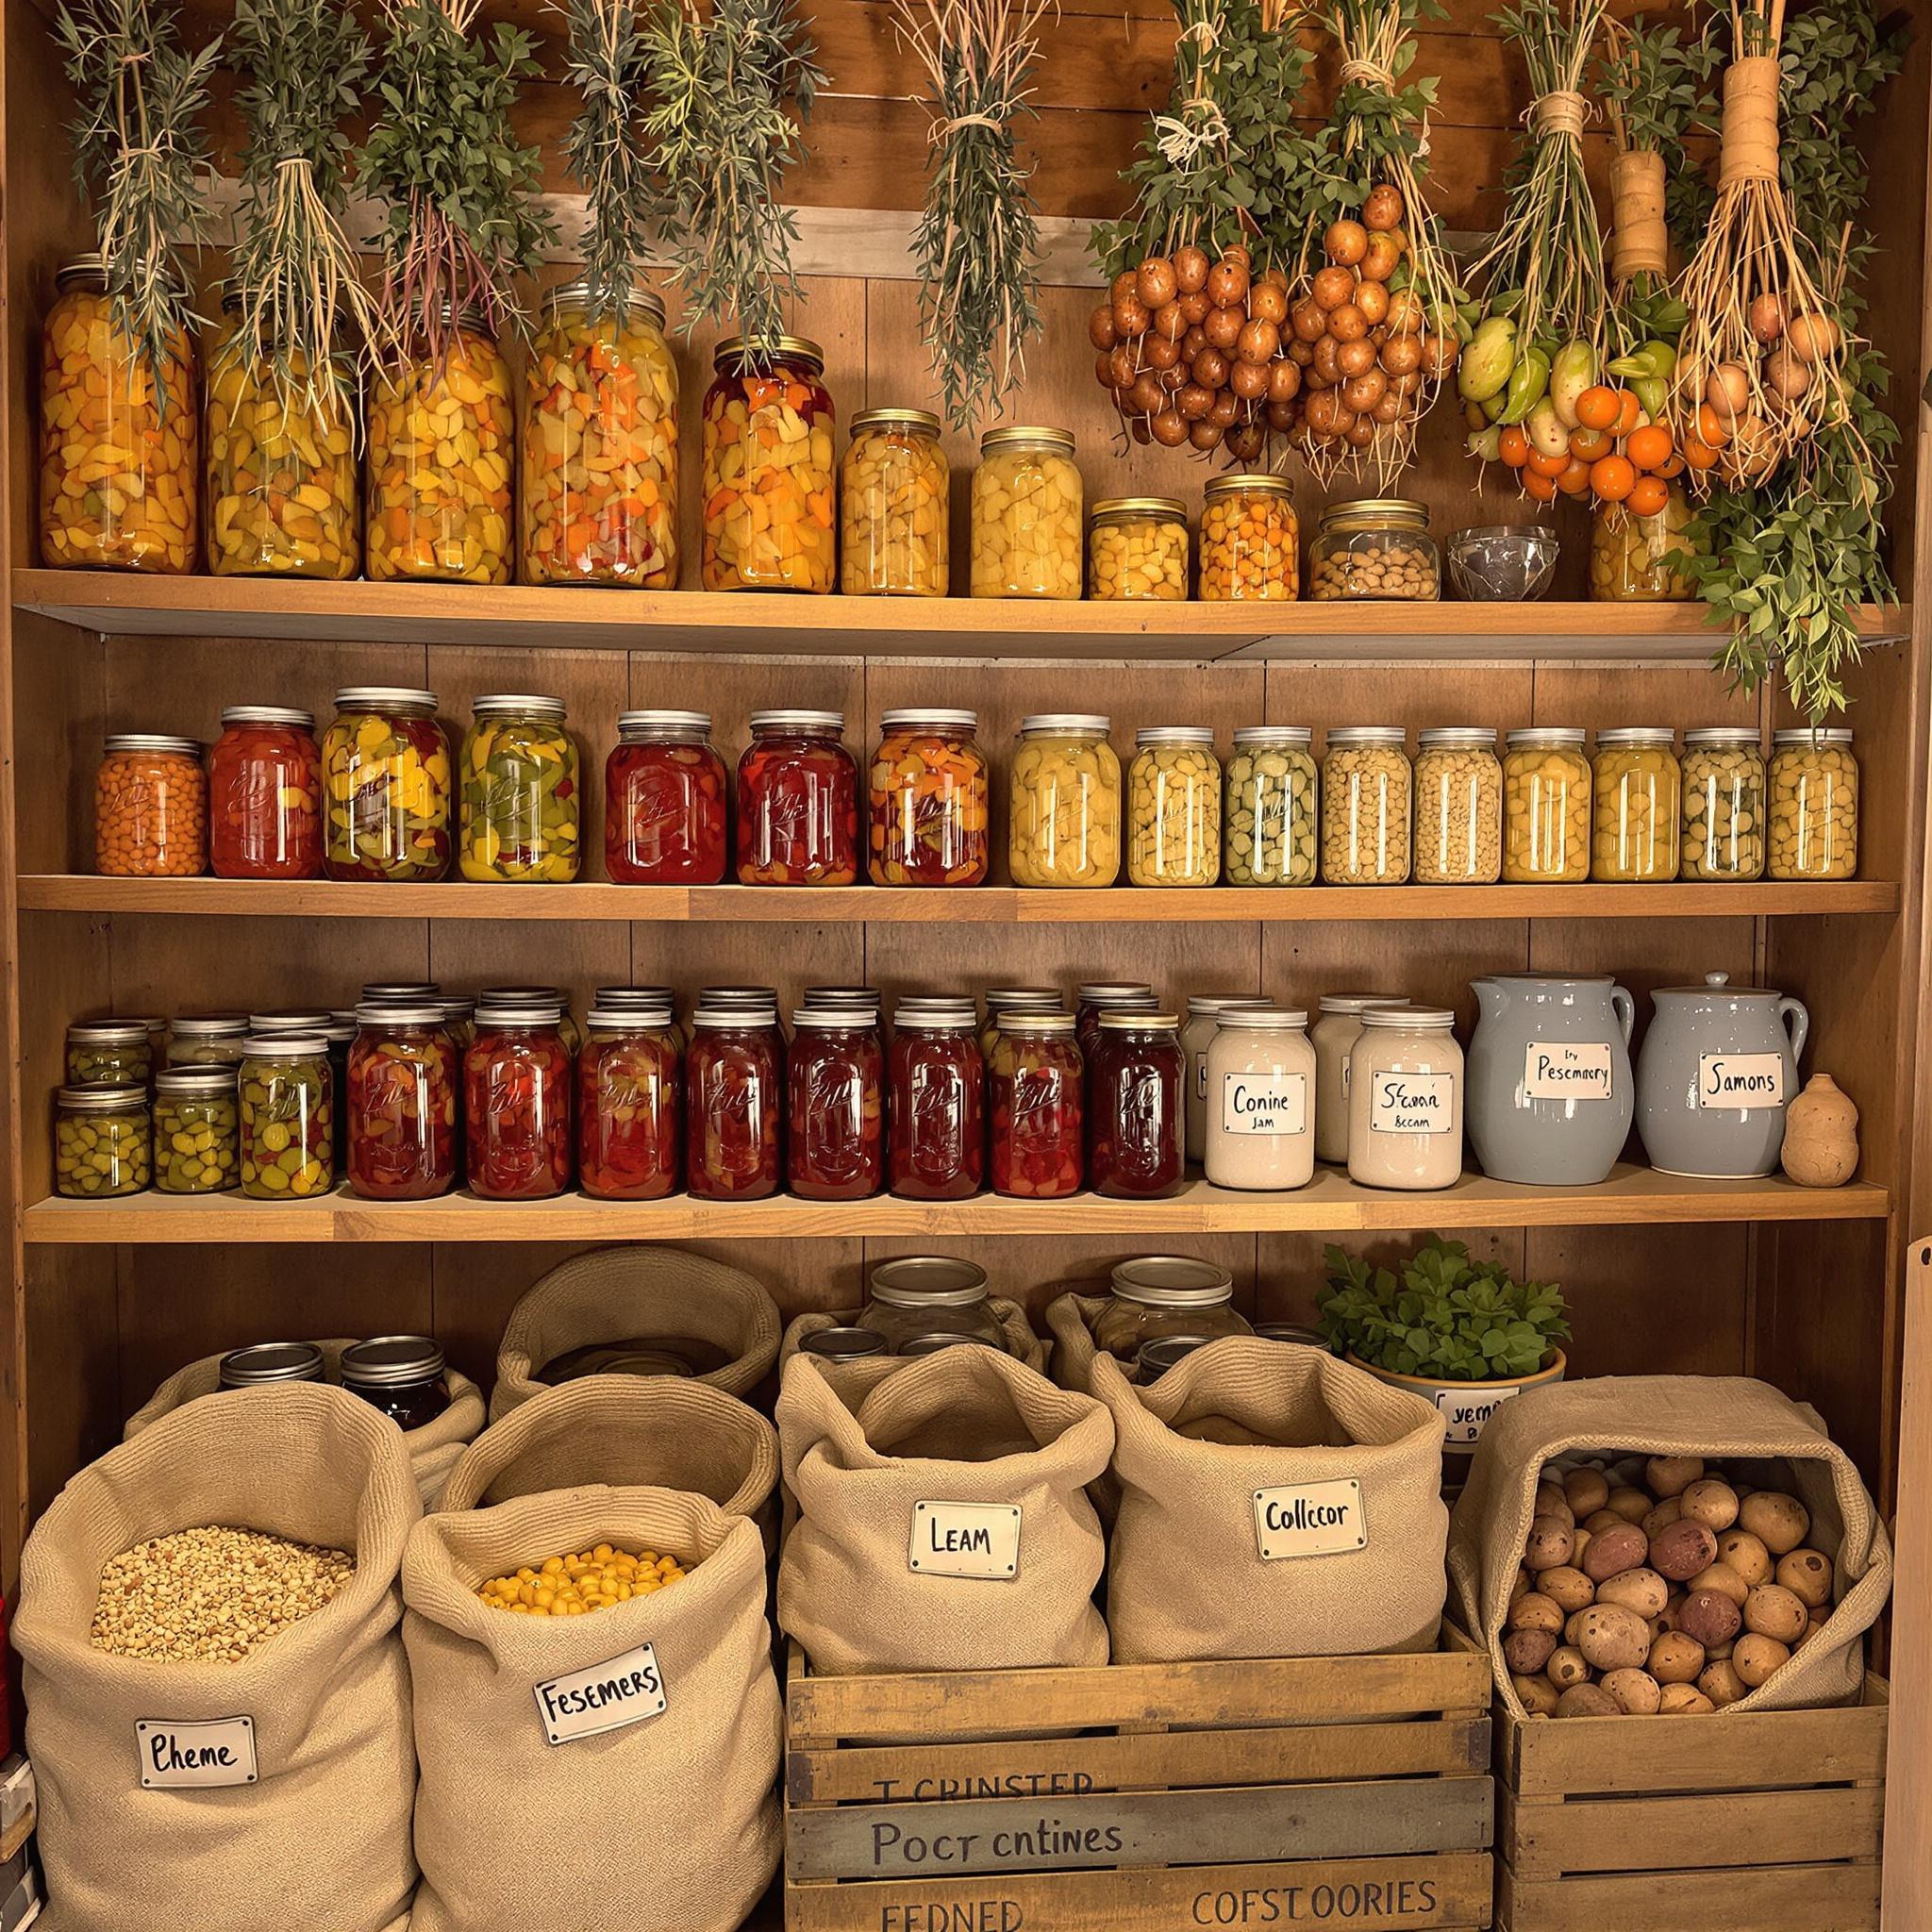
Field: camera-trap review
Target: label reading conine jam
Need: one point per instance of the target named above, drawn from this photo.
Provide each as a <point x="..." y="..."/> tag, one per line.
<point x="1566" y="1070"/>
<point x="1740" y="1082"/>
<point x="1264" y="1102"/>
<point x="1411" y="1103"/>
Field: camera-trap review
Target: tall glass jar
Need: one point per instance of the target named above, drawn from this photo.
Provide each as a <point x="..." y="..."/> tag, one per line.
<point x="1374" y="549"/>
<point x="1366" y="801"/>
<point x="1637" y="824"/>
<point x="287" y="1110"/>
<point x="1332" y="1036"/>
<point x="1814" y="805"/>
<point x="598" y="503"/>
<point x="1158" y="1295"/>
<point x="630" y="1105"/>
<point x="401" y="1103"/>
<point x="1174" y="808"/>
<point x="770" y="521"/>
<point x="1405" y="1100"/>
<point x="913" y="1298"/>
<point x="1027" y="513"/>
<point x="109" y="1052"/>
<point x="1036" y="1081"/>
<point x="522" y="805"/>
<point x="197" y="1130"/>
<point x="665" y="815"/>
<point x="797" y="802"/>
<point x="1004" y="1000"/>
<point x="1098" y="996"/>
<point x="893" y="493"/>
<point x="1724" y="810"/>
<point x="208" y="1040"/>
<point x="734" y="1100"/>
<point x="1261" y="1100"/>
<point x="1138" y="550"/>
<point x="1206" y="1012"/>
<point x="1250" y="540"/>
<point x="930" y="812"/>
<point x="835" y="1097"/>
<point x="102" y="1141"/>
<point x="1458" y="808"/>
<point x="1064" y="826"/>
<point x="548" y="996"/>
<point x="265" y="795"/>
<point x="517" y="1103"/>
<point x="1546" y="802"/>
<point x="1137" y="1107"/>
<point x="1270" y="819"/>
<point x="385" y="763"/>
<point x="149" y="808"/>
<point x="118" y="467"/>
<point x="938" y="1145"/>
<point x="1635" y="559"/>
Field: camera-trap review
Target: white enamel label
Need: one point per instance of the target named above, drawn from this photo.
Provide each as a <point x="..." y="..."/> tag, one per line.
<point x="1740" y="1082"/>
<point x="1567" y="1069"/>
<point x="1264" y="1102"/>
<point x="201" y="1755"/>
<point x="1310" y="1520"/>
<point x="1466" y="1410"/>
<point x="1411" y="1103"/>
<point x="965" y="1539"/>
<point x="606" y="1697"/>
<point x="1200" y="1076"/>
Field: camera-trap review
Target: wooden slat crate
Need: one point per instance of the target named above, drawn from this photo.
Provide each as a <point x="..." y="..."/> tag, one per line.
<point x="1349" y="1793"/>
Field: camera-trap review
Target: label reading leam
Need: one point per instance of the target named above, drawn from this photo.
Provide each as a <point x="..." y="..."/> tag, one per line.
<point x="606" y="1697"/>
<point x="1310" y="1520"/>
<point x="199" y="1756"/>
<point x="1264" y="1102"/>
<point x="965" y="1539"/>
<point x="1566" y="1070"/>
<point x="1740" y="1082"/>
<point x="1411" y="1103"/>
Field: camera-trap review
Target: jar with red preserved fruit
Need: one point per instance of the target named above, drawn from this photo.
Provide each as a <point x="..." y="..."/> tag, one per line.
<point x="797" y="802"/>
<point x="402" y="1104"/>
<point x="630" y="1104"/>
<point x="734" y="1090"/>
<point x="929" y="801"/>
<point x="1107" y="996"/>
<point x="1136" y="1096"/>
<point x="664" y="809"/>
<point x="264" y="802"/>
<point x="836" y="1105"/>
<point x="517" y="1103"/>
<point x="938" y="1101"/>
<point x="1037" y="1078"/>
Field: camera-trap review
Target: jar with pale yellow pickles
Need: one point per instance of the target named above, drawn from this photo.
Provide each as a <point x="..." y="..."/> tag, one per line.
<point x="1546" y="786"/>
<point x="1138" y="550"/>
<point x="1064" y="826"/>
<point x="1029" y="515"/>
<point x="894" y="495"/>
<point x="598" y="460"/>
<point x="442" y="444"/>
<point x="1637" y="824"/>
<point x="1814" y="805"/>
<point x="1635" y="559"/>
<point x="118" y="453"/>
<point x="771" y="481"/>
<point x="1724" y="787"/>
<point x="1250" y="540"/>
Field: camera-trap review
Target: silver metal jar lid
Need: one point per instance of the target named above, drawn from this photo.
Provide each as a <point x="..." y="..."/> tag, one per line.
<point x="188" y="1083"/>
<point x="1003" y="998"/>
<point x="155" y="742"/>
<point x="101" y="1099"/>
<point x="263" y="1362"/>
<point x="928" y="1281"/>
<point x="628" y="1019"/>
<point x="1343" y="736"/>
<point x="843" y="1345"/>
<point x="829" y="1019"/>
<point x="832" y="722"/>
<point x="391" y="1361"/>
<point x="1723" y="734"/>
<point x="664" y="724"/>
<point x="1422" y="1019"/>
<point x="1804" y="733"/>
<point x="577" y="296"/>
<point x="1296" y="1332"/>
<point x="1207" y="1005"/>
<point x="1159" y="1355"/>
<point x="1100" y="990"/>
<point x="1173" y="1281"/>
<point x="1275" y="734"/>
<point x="382" y="993"/>
<point x="513" y="1013"/>
<point x="268" y="714"/>
<point x="1065" y="724"/>
<point x="291" y="1019"/>
<point x="938" y="1339"/>
<point x="965" y="722"/>
<point x="518" y="705"/>
<point x="380" y="1013"/>
<point x="286" y="1046"/>
<point x="1153" y="735"/>
<point x="1456" y="738"/>
<point x="1546" y="734"/>
<point x="1660" y="735"/>
<point x="1269" y="1018"/>
<point x="108" y="1033"/>
<point x="1360" y="1002"/>
<point x="384" y="697"/>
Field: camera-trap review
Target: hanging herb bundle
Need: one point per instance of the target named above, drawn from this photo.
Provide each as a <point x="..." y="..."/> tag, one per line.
<point x="606" y="147"/>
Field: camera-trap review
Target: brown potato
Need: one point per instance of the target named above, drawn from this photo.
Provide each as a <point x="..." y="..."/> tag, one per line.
<point x="1550" y="1543"/>
<point x="1642" y="1591"/>
<point x="1675" y="1658"/>
<point x="1580" y="1539"/>
<point x="1586" y="1490"/>
<point x="1743" y="1553"/>
<point x="1709" y="1616"/>
<point x="1684" y="1700"/>
<point x="1780" y="1523"/>
<point x="1539" y="1695"/>
<point x="1757" y="1657"/>
<point x="1611" y="1636"/>
<point x="1772" y="1610"/>
<point x="1719" y="1576"/>
<point x="1663" y="1517"/>
<point x="1567" y="1586"/>
<point x="1711" y="1502"/>
<point x="1680" y="1550"/>
<point x="1633" y="1506"/>
<point x="1527" y="1651"/>
<point x="1671" y="1476"/>
<point x="1807" y="1575"/>
<point x="1536" y="1611"/>
<point x="1587" y="1700"/>
<point x="1637" y="1692"/>
<point x="1567" y="1667"/>
<point x="1614" y="1550"/>
<point x="1720" y="1683"/>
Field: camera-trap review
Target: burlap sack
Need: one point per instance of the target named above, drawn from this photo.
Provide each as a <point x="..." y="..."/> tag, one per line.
<point x="1758" y="1433"/>
<point x="433" y="1449"/>
<point x="967" y="1447"/>
<point x="856" y="1380"/>
<point x="674" y="1814"/>
<point x="1070" y="1320"/>
<point x="616" y="1293"/>
<point x="321" y="1838"/>
<point x="1274" y="1502"/>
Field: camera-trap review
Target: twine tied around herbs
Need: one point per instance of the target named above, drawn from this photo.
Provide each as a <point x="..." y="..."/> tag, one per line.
<point x="1560" y="111"/>
<point x="942" y="130"/>
<point x="1750" y="124"/>
<point x="1354" y="70"/>
<point x="1181" y="142"/>
<point x="1640" y="239"/>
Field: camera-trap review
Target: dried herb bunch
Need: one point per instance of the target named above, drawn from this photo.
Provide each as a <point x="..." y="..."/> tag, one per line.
<point x="606" y="147"/>
<point x="978" y="239"/>
<point x="140" y="152"/>
<point x="1653" y="82"/>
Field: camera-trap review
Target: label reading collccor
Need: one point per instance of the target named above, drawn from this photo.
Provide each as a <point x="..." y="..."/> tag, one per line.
<point x="1310" y="1520"/>
<point x="196" y="1755"/>
<point x="606" y="1697"/>
<point x="965" y="1539"/>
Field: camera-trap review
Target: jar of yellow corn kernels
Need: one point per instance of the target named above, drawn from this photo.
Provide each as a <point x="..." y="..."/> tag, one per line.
<point x="1064" y="828"/>
<point x="1545" y="807"/>
<point x="117" y="450"/>
<point x="441" y="440"/>
<point x="1250" y="540"/>
<point x="768" y="513"/>
<point x="1138" y="550"/>
<point x="1367" y="807"/>
<point x="281" y="464"/>
<point x="1637" y="818"/>
<point x="1027" y="511"/>
<point x="598" y="458"/>
<point x="893" y="493"/>
<point x="1814" y="805"/>
<point x="385" y="771"/>
<point x="1723" y="803"/>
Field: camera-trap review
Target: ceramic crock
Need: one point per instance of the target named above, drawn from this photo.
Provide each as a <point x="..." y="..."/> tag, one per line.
<point x="1719" y="1067"/>
<point x="1465" y="1406"/>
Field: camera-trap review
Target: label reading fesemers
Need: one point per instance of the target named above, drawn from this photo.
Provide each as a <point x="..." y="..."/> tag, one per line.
<point x="1264" y="1102"/>
<point x="199" y="1756"/>
<point x="1567" y="1069"/>
<point x="1740" y="1082"/>
<point x="1310" y="1520"/>
<point x="606" y="1697"/>
<point x="1411" y="1103"/>
<point x="965" y="1539"/>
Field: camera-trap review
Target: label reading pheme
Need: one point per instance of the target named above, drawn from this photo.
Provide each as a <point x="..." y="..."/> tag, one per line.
<point x="606" y="1697"/>
<point x="1411" y="1103"/>
<point x="1566" y="1070"/>
<point x="1310" y="1520"/>
<point x="200" y="1756"/>
<point x="1264" y="1102"/>
<point x="1740" y="1082"/>
<point x="965" y="1539"/>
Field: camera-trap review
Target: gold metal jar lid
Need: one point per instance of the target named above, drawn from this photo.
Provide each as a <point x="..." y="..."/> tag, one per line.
<point x="1370" y="512"/>
<point x="1256" y="482"/>
<point x="1026" y="436"/>
<point x="83" y="272"/>
<point x="920" y="422"/>
<point x="1141" y="507"/>
<point x="577" y="296"/>
<point x="735" y="354"/>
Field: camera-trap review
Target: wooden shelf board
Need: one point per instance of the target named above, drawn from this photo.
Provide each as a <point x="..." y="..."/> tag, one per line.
<point x="1331" y="1203"/>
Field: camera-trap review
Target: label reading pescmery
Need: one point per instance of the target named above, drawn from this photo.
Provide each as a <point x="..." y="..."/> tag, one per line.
<point x="1740" y="1082"/>
<point x="199" y="1756"/>
<point x="1566" y="1070"/>
<point x="1411" y="1103"/>
<point x="606" y="1697"/>
<point x="1264" y="1102"/>
<point x="965" y="1539"/>
<point x="1466" y="1411"/>
<point x="1310" y="1520"/>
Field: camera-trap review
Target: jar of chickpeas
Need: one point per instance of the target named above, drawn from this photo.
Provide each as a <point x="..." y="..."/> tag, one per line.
<point x="1269" y="818"/>
<point x="520" y="804"/>
<point x="1724" y="785"/>
<point x="1366" y="801"/>
<point x="1138" y="550"/>
<point x="385" y="769"/>
<point x="894" y="491"/>
<point x="1027" y="511"/>
<point x="1458" y="808"/>
<point x="1545" y="807"/>
<point x="101" y="1141"/>
<point x="1064" y="826"/>
<point x="118" y="469"/>
<point x="1174" y="808"/>
<point x="149" y="808"/>
<point x="1250" y="540"/>
<point x="770" y="478"/>
<point x="1637" y="823"/>
<point x="1377" y="549"/>
<point x="1814" y="805"/>
<point x="197" y="1130"/>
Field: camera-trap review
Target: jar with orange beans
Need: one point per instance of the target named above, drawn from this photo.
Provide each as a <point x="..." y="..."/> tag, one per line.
<point x="893" y="492"/>
<point x="797" y="802"/>
<point x="264" y="779"/>
<point x="149" y="808"/>
<point x="835" y="1100"/>
<point x="1250" y="540"/>
<point x="929" y="804"/>
<point x="771" y="486"/>
<point x="118" y="449"/>
<point x="517" y="1103"/>
<point x="630" y="1105"/>
<point x="734" y="1086"/>
<point x="401" y="1104"/>
<point x="665" y="788"/>
<point x="1036" y="1079"/>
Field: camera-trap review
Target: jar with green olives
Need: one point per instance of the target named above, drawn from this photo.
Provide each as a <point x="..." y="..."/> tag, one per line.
<point x="1366" y="807"/>
<point x="521" y="805"/>
<point x="1458" y="808"/>
<point x="1723" y="789"/>
<point x="100" y="1141"/>
<point x="1636" y="816"/>
<point x="1814" y="805"/>
<point x="197" y="1130"/>
<point x="208" y="1040"/>
<point x="1545" y="807"/>
<point x="1269" y="817"/>
<point x="286" y="1146"/>
<point x="1174" y="808"/>
<point x="109" y="1052"/>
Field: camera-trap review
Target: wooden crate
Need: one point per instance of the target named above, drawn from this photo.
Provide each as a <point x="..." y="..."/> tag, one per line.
<point x="1338" y="1793"/>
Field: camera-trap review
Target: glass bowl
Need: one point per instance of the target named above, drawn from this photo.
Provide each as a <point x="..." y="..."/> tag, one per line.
<point x="1502" y="563"/>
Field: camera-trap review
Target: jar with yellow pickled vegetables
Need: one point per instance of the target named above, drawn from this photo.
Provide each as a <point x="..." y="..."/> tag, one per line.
<point x="522" y="807"/>
<point x="1545" y="807"/>
<point x="1250" y="540"/>
<point x="1174" y="808"/>
<point x="598" y="502"/>
<point x="1637" y="823"/>
<point x="385" y="771"/>
<point x="1029" y="511"/>
<point x="118" y="463"/>
<point x="770" y="521"/>
<point x="442" y="440"/>
<point x="1635" y="559"/>
<point x="894" y="495"/>
<point x="1064" y="826"/>
<point x="1814" y="805"/>
<point x="1724" y="787"/>
<point x="1138" y="550"/>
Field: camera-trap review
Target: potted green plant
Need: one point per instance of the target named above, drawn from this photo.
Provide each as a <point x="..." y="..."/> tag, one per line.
<point x="1463" y="1334"/>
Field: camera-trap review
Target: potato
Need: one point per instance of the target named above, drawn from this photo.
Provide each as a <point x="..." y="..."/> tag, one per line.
<point x="1527" y="1651"/>
<point x="1642" y="1591"/>
<point x="1671" y="1476"/>
<point x="1567" y="1667"/>
<point x="1721" y="1577"/>
<point x="1534" y="1613"/>
<point x="1580" y="1539"/>
<point x="1633" y="1506"/>
<point x="1712" y="1503"/>
<point x="1587" y="1700"/>
<point x="1675" y="1658"/>
<point x="1780" y="1523"/>
<point x="1684" y="1700"/>
<point x="1637" y="1694"/>
<point x="1551" y="1501"/>
<point x="1611" y="1636"/>
<point x="1807" y="1577"/>
<point x="1602" y="1520"/>
<point x="1720" y="1683"/>
<point x="1550" y="1543"/>
<point x="1613" y="1552"/>
<point x="1709" y="1616"/>
<point x="1663" y="1517"/>
<point x="1586" y="1490"/>
<point x="1772" y="1610"/>
<point x="1539" y="1695"/>
<point x="1757" y="1657"/>
<point x="1744" y="1553"/>
<point x="1681" y="1551"/>
<point x="1568" y="1588"/>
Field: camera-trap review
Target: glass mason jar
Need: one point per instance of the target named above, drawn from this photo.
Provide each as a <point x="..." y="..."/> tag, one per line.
<point x="1724" y="789"/>
<point x="149" y="808"/>
<point x="1174" y="808"/>
<point x="287" y="1110"/>
<point x="1004" y="1000"/>
<point x="835" y="1096"/>
<point x="929" y="806"/>
<point x="1261" y="1100"/>
<point x="1028" y="509"/>
<point x="338" y="1029"/>
<point x="385" y="764"/>
<point x="197" y="1130"/>
<point x="118" y="467"/>
<point x="441" y="441"/>
<point x="1458" y="808"/>
<point x="550" y="996"/>
<point x="1546" y="787"/>
<point x="1379" y="549"/>
<point x="1405" y="1100"/>
<point x="630" y="1105"/>
<point x="734" y="1086"/>
<point x="265" y="795"/>
<point x="1366" y="807"/>
<point x="208" y="1040"/>
<point x="517" y="1103"/>
<point x="1635" y="559"/>
<point x="400" y="1376"/>
<point x="938" y="1141"/>
<point x="1137" y="1107"/>
<point x="1036" y="1081"/>
<point x="1332" y="1036"/>
<point x="1204" y="1018"/>
<point x="797" y="802"/>
<point x="665" y="818"/>
<point x="1269" y="819"/>
<point x="400" y="1099"/>
<point x="109" y="1052"/>
<point x="522" y="807"/>
<point x="894" y="491"/>
<point x="1637" y="824"/>
<point x="1814" y="805"/>
<point x="914" y="1298"/>
<point x="101" y="1141"/>
<point x="1064" y="824"/>
<point x="263" y="1364"/>
<point x="1158" y="1295"/>
<point x="770" y="479"/>
<point x="598" y="460"/>
<point x="1137" y="550"/>
<point x="1107" y="996"/>
<point x="1250" y="540"/>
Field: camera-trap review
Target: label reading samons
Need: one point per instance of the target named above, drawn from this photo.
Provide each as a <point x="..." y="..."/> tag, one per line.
<point x="201" y="1755"/>
<point x="1264" y="1102"/>
<point x="1740" y="1082"/>
<point x="1567" y="1069"/>
<point x="606" y="1697"/>
<point x="1310" y="1520"/>
<point x="965" y="1539"/>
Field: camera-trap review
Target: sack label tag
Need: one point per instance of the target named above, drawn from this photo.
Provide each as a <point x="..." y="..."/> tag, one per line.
<point x="1740" y="1082"/>
<point x="196" y="1756"/>
<point x="965" y="1539"/>
<point x="1466" y="1411"/>
<point x="1567" y="1069"/>
<point x="606" y="1697"/>
<point x="1310" y="1520"/>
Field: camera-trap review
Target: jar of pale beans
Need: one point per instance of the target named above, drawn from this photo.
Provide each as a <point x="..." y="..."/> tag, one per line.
<point x="1814" y="805"/>
<point x="1637" y="823"/>
<point x="1269" y="820"/>
<point x="894" y="492"/>
<point x="1250" y="540"/>
<point x="441" y="440"/>
<point x="118" y="466"/>
<point x="1138" y="550"/>
<point x="1064" y="824"/>
<point x="1366" y="807"/>
<point x="1724" y="786"/>
<point x="1027" y="511"/>
<point x="1458" y="808"/>
<point x="149" y="808"/>
<point x="1377" y="549"/>
<point x="770" y="521"/>
<point x="1545" y="807"/>
<point x="1174" y="808"/>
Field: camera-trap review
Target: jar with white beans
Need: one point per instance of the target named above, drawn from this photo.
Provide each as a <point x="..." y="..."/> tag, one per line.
<point x="1027" y="515"/>
<point x="1723" y="803"/>
<point x="892" y="501"/>
<point x="1814" y="806"/>
<point x="1366" y="807"/>
<point x="1458" y="808"/>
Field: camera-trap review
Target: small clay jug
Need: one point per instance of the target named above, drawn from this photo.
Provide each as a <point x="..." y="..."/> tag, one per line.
<point x="1821" y="1147"/>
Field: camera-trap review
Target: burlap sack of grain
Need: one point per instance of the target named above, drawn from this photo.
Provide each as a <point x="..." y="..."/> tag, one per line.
<point x="616" y="1295"/>
<point x="632" y="1752"/>
<point x="433" y="1449"/>
<point x="1273" y="1502"/>
<point x="942" y="1524"/>
<point x="855" y="1380"/>
<point x="1757" y="1434"/>
<point x="320" y="1836"/>
<point x="1070" y="1322"/>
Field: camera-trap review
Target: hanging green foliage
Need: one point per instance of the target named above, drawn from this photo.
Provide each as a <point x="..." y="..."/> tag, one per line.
<point x="607" y="148"/>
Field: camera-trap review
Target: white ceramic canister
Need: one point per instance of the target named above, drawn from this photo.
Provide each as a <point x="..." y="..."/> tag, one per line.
<point x="1332" y="1036"/>
<point x="1405" y="1100"/>
<point x="1261" y="1100"/>
<point x="1203" y="1012"/>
